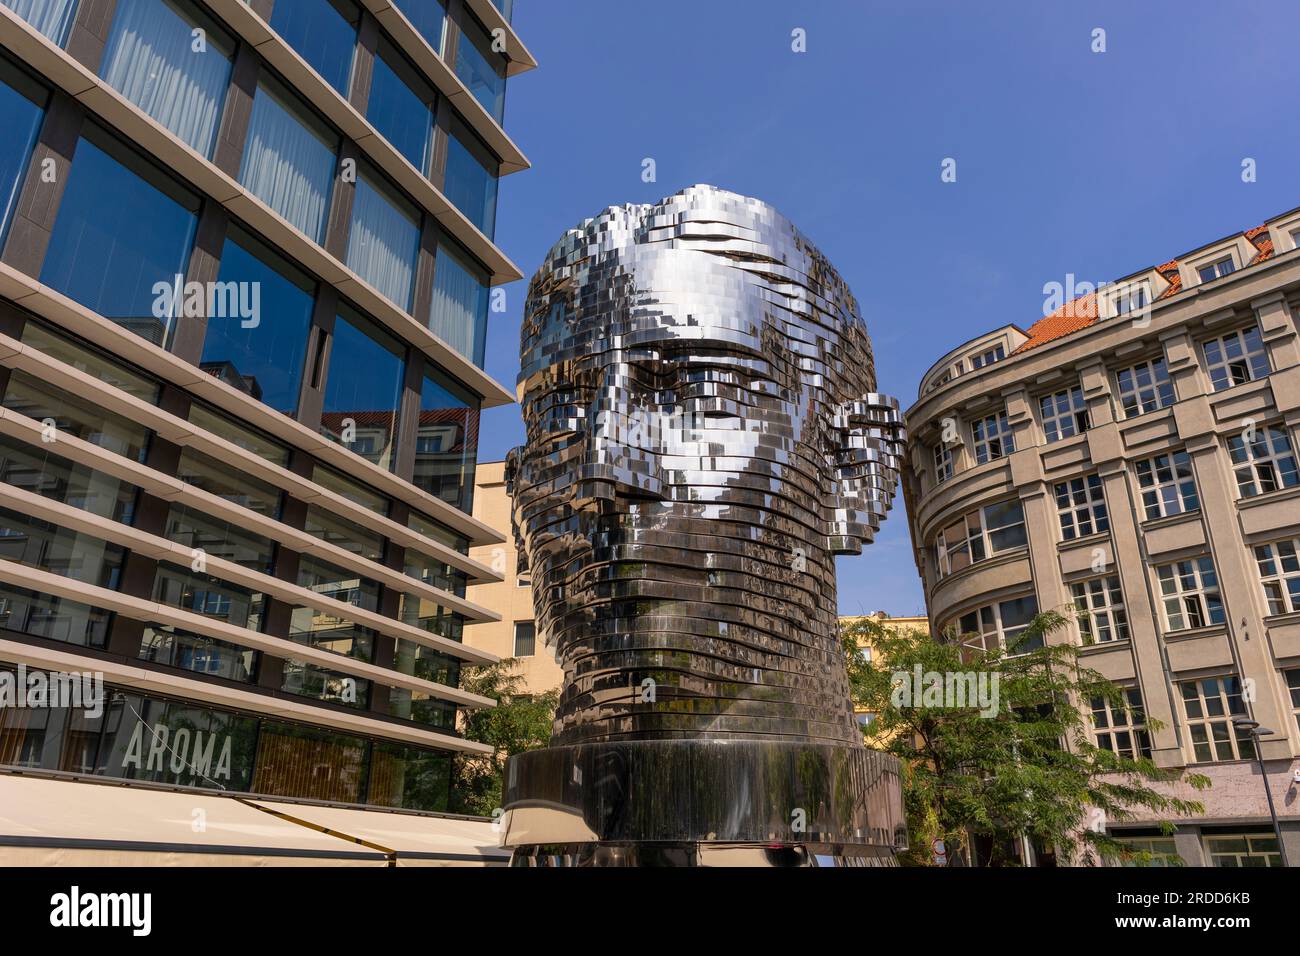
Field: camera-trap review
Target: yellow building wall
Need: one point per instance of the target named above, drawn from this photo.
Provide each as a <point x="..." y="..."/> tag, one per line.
<point x="540" y="672"/>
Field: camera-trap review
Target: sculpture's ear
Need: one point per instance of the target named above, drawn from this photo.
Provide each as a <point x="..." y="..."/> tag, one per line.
<point x="868" y="445"/>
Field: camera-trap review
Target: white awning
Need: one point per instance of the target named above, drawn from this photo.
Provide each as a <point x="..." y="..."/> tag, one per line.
<point x="47" y="822"/>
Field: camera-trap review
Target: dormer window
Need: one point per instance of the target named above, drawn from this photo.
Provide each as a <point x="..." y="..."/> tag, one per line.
<point x="987" y="357"/>
<point x="1295" y="238"/>
<point x="1132" y="299"/>
<point x="1217" y="269"/>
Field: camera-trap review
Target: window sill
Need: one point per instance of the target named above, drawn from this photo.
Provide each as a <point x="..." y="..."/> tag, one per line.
<point x="1193" y="633"/>
<point x="1268" y="497"/>
<point x="1091" y="650"/>
<point x="1165" y="521"/>
<point x="1095" y="538"/>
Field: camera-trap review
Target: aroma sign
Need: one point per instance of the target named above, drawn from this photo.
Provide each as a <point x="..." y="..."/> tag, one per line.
<point x="158" y="748"/>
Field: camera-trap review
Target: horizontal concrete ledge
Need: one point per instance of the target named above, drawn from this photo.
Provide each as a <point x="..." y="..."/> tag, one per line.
<point x="188" y="688"/>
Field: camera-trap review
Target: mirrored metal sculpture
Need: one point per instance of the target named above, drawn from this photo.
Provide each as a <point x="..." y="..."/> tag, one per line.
<point x="704" y="435"/>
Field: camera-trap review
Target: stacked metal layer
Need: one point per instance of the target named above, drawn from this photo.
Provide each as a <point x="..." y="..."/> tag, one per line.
<point x="703" y="436"/>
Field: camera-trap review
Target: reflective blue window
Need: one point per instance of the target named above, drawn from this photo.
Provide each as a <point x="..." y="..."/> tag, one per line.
<point x="322" y="32"/>
<point x="471" y="180"/>
<point x="22" y="103"/>
<point x="122" y="236"/>
<point x="459" y="311"/>
<point x="289" y="159"/>
<point x="428" y="18"/>
<point x="401" y="106"/>
<point x="446" y="446"/>
<point x="262" y="356"/>
<point x="482" y="70"/>
<point x="507" y="8"/>
<point x="150" y="59"/>
<point x="384" y="239"/>
<point x="50" y="17"/>
<point x="363" y="390"/>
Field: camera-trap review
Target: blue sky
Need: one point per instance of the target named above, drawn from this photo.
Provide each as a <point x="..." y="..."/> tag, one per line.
<point x="1068" y="161"/>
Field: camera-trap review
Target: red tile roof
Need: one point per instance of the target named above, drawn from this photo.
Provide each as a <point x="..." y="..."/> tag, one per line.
<point x="1082" y="312"/>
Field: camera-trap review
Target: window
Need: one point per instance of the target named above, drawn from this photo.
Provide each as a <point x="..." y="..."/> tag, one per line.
<point x="47" y="547"/>
<point x="471" y="180"/>
<point x="1210" y="705"/>
<point x="1081" y="507"/>
<point x="220" y="479"/>
<point x="448" y="409"/>
<point x="51" y="17"/>
<point x="1190" y="590"/>
<point x="264" y="356"/>
<point x="196" y="652"/>
<point x="1217" y="269"/>
<point x="1293" y="687"/>
<point x="41" y="472"/>
<point x="525" y="639"/>
<point x="988" y="357"/>
<point x="351" y="490"/>
<point x="384" y="239"/>
<point x="993" y="438"/>
<point x="122" y="229"/>
<point x="401" y="106"/>
<point x="363" y="390"/>
<point x="865" y="718"/>
<point x="482" y="70"/>
<point x="261" y="445"/>
<point x="203" y="594"/>
<point x="459" y="311"/>
<point x="1161" y="850"/>
<point x="1144" y="387"/>
<point x="94" y="362"/>
<point x="1100" y="606"/>
<point x="58" y="619"/>
<point x="1167" y="485"/>
<point x="1001" y="625"/>
<point x="220" y="538"/>
<point x="943" y="469"/>
<point x="1264" y="464"/>
<point x="980" y="534"/>
<point x="1121" y="729"/>
<point x="423" y="525"/>
<point x="77" y="417"/>
<point x="428" y="17"/>
<point x="1131" y="299"/>
<point x="289" y="159"/>
<point x="1295" y="238"/>
<point x="1243" y="850"/>
<point x="322" y="32"/>
<point x="150" y="59"/>
<point x="1065" y="414"/>
<point x="323" y="523"/>
<point x="1235" y="358"/>
<point x="22" y="104"/>
<point x="1279" y="572"/>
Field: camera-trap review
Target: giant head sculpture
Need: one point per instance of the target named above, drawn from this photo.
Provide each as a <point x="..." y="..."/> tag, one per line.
<point x="704" y="435"/>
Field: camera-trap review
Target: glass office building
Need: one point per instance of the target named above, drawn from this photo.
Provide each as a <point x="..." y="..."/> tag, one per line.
<point x="243" y="298"/>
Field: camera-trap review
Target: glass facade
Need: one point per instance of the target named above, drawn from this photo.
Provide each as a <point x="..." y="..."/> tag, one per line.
<point x="458" y="312"/>
<point x="262" y="356"/>
<point x="471" y="180"/>
<point x="482" y="70"/>
<point x="41" y="472"/>
<point x="153" y="59"/>
<point x="289" y="159"/>
<point x="428" y="17"/>
<point x="401" y="106"/>
<point x="47" y="547"/>
<point x="322" y="32"/>
<point x="156" y="740"/>
<point x="363" y="389"/>
<point x="446" y="445"/>
<point x="50" y="17"/>
<point x="78" y="417"/>
<point x="384" y="239"/>
<point x="123" y="274"/>
<point x="22" y="106"/>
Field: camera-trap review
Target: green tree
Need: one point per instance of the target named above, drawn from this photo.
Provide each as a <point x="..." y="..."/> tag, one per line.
<point x="1029" y="768"/>
<point x="519" y="722"/>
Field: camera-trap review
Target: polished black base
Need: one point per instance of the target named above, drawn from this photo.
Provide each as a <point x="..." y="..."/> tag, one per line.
<point x="699" y="854"/>
<point x="678" y="800"/>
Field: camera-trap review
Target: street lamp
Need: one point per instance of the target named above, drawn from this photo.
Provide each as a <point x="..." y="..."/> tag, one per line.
<point x="1253" y="728"/>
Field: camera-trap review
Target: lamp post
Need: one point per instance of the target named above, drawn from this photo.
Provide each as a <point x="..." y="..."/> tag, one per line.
<point x="1253" y="728"/>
